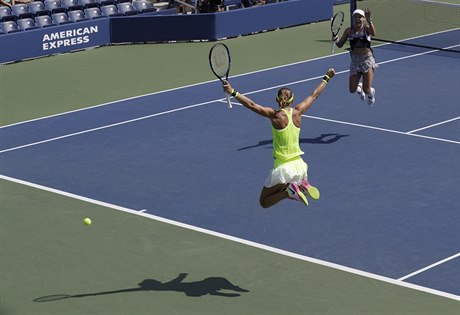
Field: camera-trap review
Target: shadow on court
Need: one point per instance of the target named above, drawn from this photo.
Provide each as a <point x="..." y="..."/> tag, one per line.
<point x="325" y="138"/>
<point x="211" y="286"/>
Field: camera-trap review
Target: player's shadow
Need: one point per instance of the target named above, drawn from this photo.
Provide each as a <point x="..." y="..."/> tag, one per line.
<point x="325" y="138"/>
<point x="211" y="286"/>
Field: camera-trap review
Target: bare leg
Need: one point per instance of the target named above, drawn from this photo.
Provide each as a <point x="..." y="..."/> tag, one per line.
<point x="368" y="77"/>
<point x="353" y="82"/>
<point x="270" y="196"/>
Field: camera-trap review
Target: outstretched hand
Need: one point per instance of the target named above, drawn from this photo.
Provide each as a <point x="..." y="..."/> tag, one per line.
<point x="367" y="14"/>
<point x="330" y="72"/>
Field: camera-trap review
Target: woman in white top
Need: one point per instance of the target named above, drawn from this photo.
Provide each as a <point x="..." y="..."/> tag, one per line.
<point x="362" y="58"/>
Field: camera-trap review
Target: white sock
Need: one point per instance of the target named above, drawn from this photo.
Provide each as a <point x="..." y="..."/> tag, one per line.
<point x="371" y="94"/>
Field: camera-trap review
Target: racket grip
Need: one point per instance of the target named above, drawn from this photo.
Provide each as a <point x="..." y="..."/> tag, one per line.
<point x="229" y="104"/>
<point x="333" y="47"/>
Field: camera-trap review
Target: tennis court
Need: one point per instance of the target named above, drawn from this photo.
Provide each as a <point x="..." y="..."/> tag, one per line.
<point x="171" y="180"/>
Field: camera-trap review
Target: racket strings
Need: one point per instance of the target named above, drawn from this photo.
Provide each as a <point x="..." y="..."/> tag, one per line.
<point x="220" y="62"/>
<point x="337" y="22"/>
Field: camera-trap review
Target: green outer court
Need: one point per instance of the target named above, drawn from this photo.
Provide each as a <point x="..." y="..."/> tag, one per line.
<point x="47" y="250"/>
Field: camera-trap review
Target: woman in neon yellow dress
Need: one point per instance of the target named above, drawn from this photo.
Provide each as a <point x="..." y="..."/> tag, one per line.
<point x="288" y="178"/>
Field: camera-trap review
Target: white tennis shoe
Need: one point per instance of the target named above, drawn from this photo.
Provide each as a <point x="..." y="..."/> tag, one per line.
<point x="371" y="97"/>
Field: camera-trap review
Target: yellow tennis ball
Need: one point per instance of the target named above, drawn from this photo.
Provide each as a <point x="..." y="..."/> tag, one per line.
<point x="87" y="221"/>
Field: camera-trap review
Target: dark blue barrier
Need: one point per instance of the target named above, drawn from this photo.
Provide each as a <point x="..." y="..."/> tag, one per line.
<point x="161" y="28"/>
<point x="53" y="40"/>
<point x="213" y="26"/>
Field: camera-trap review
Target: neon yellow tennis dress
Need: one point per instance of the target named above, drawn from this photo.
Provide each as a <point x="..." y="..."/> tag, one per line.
<point x="288" y="165"/>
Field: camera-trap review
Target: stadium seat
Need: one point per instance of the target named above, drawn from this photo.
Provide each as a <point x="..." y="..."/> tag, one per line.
<point x="38" y="8"/>
<point x="21" y="11"/>
<point x="54" y="6"/>
<point x="71" y="5"/>
<point x="106" y="2"/>
<point x="44" y="21"/>
<point x="126" y="8"/>
<point x="94" y="13"/>
<point x="6" y="14"/>
<point x="9" y="27"/>
<point x="27" y="24"/>
<point x="143" y="6"/>
<point x="60" y="18"/>
<point x="89" y="3"/>
<point x="110" y="10"/>
<point x="77" y="16"/>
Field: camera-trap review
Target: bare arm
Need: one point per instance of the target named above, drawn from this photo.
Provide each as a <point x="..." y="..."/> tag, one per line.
<point x="370" y="28"/>
<point x="303" y="106"/>
<point x="248" y="103"/>
<point x="4" y="3"/>
<point x="340" y="42"/>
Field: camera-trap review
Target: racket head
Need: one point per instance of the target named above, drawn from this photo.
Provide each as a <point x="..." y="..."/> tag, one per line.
<point x="337" y="22"/>
<point x="219" y="61"/>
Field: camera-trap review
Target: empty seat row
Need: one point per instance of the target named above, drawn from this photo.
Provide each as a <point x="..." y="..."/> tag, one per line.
<point x="48" y="7"/>
<point x="59" y="18"/>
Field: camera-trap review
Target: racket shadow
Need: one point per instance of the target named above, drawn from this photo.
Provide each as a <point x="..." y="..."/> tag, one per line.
<point x="211" y="286"/>
<point x="325" y="138"/>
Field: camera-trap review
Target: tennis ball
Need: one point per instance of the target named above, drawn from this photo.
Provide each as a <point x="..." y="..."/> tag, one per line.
<point x="87" y="221"/>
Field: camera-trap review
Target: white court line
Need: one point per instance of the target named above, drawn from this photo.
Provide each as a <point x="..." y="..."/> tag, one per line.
<point x="239" y="240"/>
<point x="368" y="127"/>
<point x="209" y="102"/>
<point x="234" y="76"/>
<point x="383" y="129"/>
<point x="429" y="267"/>
<point x="169" y="90"/>
<point x="105" y="127"/>
<point x="434" y="125"/>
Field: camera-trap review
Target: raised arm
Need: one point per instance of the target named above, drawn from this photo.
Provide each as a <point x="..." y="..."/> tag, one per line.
<point x="370" y="27"/>
<point x="303" y="106"/>
<point x="248" y="103"/>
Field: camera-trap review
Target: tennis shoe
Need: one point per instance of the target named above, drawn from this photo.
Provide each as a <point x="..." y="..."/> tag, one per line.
<point x="371" y="97"/>
<point x="296" y="194"/>
<point x="309" y="190"/>
<point x="360" y="91"/>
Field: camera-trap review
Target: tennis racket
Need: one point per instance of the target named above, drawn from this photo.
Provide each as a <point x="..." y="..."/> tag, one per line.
<point x="219" y="61"/>
<point x="336" y="24"/>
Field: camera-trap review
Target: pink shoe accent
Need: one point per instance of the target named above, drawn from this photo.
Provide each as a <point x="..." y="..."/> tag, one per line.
<point x="305" y="184"/>
<point x="296" y="193"/>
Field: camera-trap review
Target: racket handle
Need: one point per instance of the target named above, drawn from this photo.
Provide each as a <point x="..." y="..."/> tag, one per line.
<point x="333" y="47"/>
<point x="229" y="104"/>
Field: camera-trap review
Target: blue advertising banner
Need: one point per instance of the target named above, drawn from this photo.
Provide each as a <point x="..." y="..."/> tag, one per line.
<point x="53" y="40"/>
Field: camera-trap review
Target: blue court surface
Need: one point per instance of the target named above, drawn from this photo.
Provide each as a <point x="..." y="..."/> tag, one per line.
<point x="389" y="175"/>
